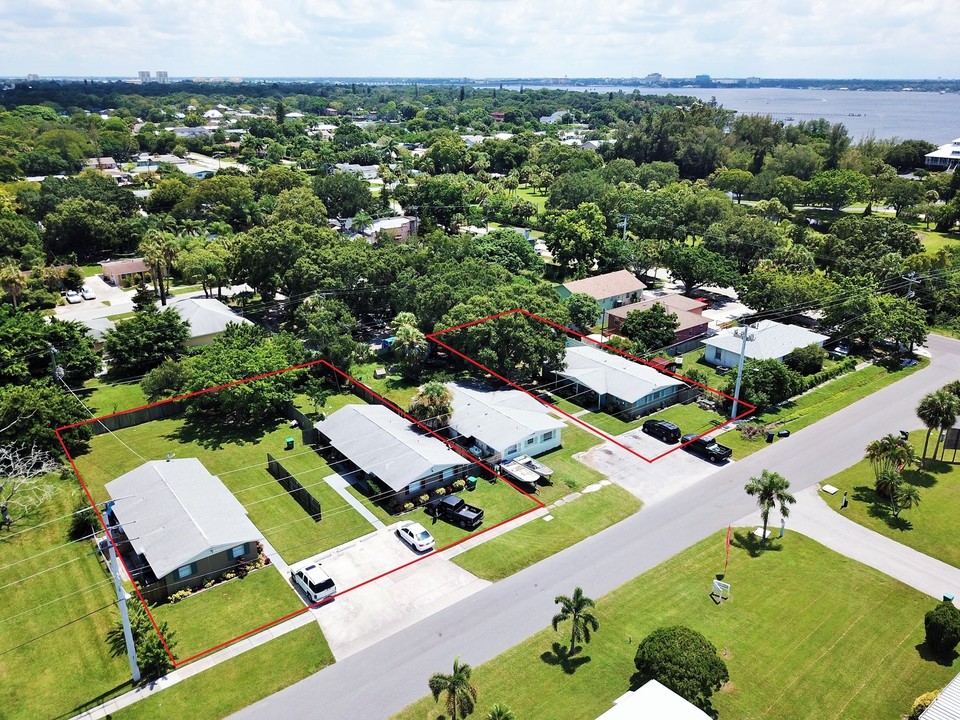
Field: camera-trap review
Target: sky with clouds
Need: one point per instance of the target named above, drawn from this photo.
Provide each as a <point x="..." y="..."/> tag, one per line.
<point x="480" y="38"/>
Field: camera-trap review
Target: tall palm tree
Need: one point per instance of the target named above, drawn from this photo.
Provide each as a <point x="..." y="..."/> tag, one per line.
<point x="159" y="251"/>
<point x="12" y="281"/>
<point x="770" y="490"/>
<point x="937" y="411"/>
<point x="461" y="694"/>
<point x="890" y="453"/>
<point x="411" y="344"/>
<point x="433" y="404"/>
<point x="576" y="609"/>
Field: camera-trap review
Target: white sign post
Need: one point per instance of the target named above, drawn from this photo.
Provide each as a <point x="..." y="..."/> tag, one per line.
<point x="721" y="590"/>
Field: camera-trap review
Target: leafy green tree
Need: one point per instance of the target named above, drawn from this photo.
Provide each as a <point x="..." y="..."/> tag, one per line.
<point x="432" y="405"/>
<point x="26" y="339"/>
<point x="166" y="380"/>
<point x="576" y="238"/>
<point x="299" y="205"/>
<point x="578" y="609"/>
<point x="733" y="181"/>
<point x="29" y="414"/>
<point x="86" y="228"/>
<point x="765" y="383"/>
<point x="837" y="189"/>
<point x="937" y="411"/>
<point x="902" y="193"/>
<point x="411" y="346"/>
<point x="239" y="353"/>
<point x="142" y="342"/>
<point x="684" y="661"/>
<point x="651" y="329"/>
<point x="223" y="198"/>
<point x="159" y="251"/>
<point x="584" y="310"/>
<point x="806" y="360"/>
<point x="327" y="326"/>
<point x="696" y="265"/>
<point x="460" y="694"/>
<point x="343" y="194"/>
<point x="901" y="320"/>
<point x="770" y="489"/>
<point x="152" y="657"/>
<point x="768" y="288"/>
<point x="12" y="281"/>
<point x="508" y="249"/>
<point x="205" y="263"/>
<point x="942" y="629"/>
<point x="275" y="179"/>
<point x="745" y="240"/>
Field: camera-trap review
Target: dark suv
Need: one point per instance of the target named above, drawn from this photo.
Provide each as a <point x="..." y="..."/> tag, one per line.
<point x="666" y="431"/>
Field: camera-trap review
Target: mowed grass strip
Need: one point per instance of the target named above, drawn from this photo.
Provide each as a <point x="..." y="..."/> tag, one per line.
<point x="931" y="527"/>
<point x="240" y="681"/>
<point x="224" y="611"/>
<point x="807" y="635"/>
<point x="539" y="539"/>
<point x="569" y="474"/>
<point x="54" y="660"/>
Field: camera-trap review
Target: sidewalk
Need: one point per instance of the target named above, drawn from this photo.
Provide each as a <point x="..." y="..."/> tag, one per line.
<point x="338" y="483"/>
<point x="812" y="517"/>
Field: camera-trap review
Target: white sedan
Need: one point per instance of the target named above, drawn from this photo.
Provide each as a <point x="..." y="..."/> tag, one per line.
<point x="73" y="297"/>
<point x="87" y="294"/>
<point x="416" y="536"/>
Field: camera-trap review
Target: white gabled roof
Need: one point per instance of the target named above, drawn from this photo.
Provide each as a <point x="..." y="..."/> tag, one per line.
<point x="175" y="512"/>
<point x="206" y="316"/>
<point x="607" y="373"/>
<point x="766" y="340"/>
<point x="654" y="701"/>
<point x="382" y="443"/>
<point x="498" y="418"/>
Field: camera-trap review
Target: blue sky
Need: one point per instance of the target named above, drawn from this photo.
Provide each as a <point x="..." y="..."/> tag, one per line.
<point x="481" y="38"/>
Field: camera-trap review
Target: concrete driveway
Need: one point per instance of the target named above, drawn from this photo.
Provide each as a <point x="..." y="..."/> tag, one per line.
<point x="364" y="615"/>
<point x="650" y="482"/>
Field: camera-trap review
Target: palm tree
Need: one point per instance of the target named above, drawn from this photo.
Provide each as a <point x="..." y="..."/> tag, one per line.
<point x="461" y="693"/>
<point x="433" y="404"/>
<point x="576" y="609"/>
<point x="771" y="491"/>
<point x="12" y="281"/>
<point x="937" y="411"/>
<point x="905" y="496"/>
<point x="500" y="712"/>
<point x="890" y="453"/>
<point x="411" y="344"/>
<point x="159" y="251"/>
<point x="887" y="482"/>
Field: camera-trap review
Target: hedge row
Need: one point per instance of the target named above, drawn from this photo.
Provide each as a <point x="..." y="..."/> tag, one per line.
<point x="844" y="366"/>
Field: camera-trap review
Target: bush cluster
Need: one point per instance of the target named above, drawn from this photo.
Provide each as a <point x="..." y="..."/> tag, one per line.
<point x="845" y="366"/>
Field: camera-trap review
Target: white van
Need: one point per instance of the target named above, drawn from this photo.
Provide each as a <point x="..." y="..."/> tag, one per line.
<point x="314" y="583"/>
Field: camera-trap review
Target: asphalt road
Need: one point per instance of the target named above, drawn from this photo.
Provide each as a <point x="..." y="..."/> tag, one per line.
<point x="386" y="677"/>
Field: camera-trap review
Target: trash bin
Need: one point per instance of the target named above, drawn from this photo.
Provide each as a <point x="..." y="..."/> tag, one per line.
<point x="471" y="483"/>
<point x="289" y="443"/>
<point x="770" y="436"/>
<point x="783" y="433"/>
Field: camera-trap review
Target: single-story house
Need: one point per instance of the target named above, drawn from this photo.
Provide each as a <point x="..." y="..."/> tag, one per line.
<point x="653" y="700"/>
<point x="101" y="163"/>
<point x="611" y="290"/>
<point x="689" y="314"/>
<point x="501" y="423"/>
<point x="208" y="318"/>
<point x="615" y="382"/>
<point x="114" y="271"/>
<point x="387" y="447"/>
<point x="399" y="228"/>
<point x="367" y="172"/>
<point x="946" y="157"/>
<point x="766" y="340"/>
<point x="178" y="525"/>
<point x="946" y="706"/>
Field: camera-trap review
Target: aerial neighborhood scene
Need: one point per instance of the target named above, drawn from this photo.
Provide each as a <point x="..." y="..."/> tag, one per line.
<point x="479" y="360"/>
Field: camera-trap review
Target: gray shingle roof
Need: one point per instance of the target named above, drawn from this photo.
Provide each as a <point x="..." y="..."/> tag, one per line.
<point x="175" y="512"/>
<point x="206" y="316"/>
<point x="382" y="443"/>
<point x="607" y="373"/>
<point x="498" y="418"/>
<point x="947" y="704"/>
<point x="766" y="340"/>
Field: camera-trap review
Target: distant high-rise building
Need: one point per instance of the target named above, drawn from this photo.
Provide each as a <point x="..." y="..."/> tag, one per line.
<point x="144" y="76"/>
<point x="162" y="77"/>
<point x="32" y="77"/>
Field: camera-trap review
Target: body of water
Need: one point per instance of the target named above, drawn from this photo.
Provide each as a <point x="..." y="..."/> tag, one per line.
<point x="886" y="114"/>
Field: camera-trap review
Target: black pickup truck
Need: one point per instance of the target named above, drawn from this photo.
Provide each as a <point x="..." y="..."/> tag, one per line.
<point x="455" y="511"/>
<point x="706" y="448"/>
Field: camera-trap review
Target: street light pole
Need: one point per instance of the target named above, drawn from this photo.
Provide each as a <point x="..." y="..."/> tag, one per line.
<point x="122" y="597"/>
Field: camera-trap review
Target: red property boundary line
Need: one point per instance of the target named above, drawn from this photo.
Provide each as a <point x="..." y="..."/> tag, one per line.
<point x="583" y="338"/>
<point x="537" y="503"/>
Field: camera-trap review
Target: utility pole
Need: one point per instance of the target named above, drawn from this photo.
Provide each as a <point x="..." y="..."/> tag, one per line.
<point x="743" y="352"/>
<point x="122" y="597"/>
<point x="53" y="361"/>
<point x="623" y="224"/>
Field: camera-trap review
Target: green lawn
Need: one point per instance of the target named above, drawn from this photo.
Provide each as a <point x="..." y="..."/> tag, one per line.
<point x="236" y="683"/>
<point x="108" y="397"/>
<point x="807" y="635"/>
<point x="690" y="418"/>
<point x="610" y="424"/>
<point x="394" y="387"/>
<point x="932" y="240"/>
<point x="569" y="474"/>
<point x="539" y="539"/>
<point x="694" y="359"/>
<point x="818" y="404"/>
<point x="226" y="610"/>
<point x="532" y="195"/>
<point x="53" y="657"/>
<point x="240" y="462"/>
<point x="91" y="270"/>
<point x="930" y="528"/>
<point x="566" y="406"/>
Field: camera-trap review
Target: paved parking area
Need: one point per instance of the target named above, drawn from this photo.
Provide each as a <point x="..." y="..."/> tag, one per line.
<point x="648" y="481"/>
<point x="367" y="614"/>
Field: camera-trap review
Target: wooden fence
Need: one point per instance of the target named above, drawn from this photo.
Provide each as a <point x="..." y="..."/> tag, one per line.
<point x="297" y="491"/>
<point x="137" y="417"/>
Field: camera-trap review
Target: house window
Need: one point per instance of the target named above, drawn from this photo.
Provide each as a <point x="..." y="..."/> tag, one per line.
<point x="531" y="440"/>
<point x="238" y="551"/>
<point x="716" y="353"/>
<point x="185" y="571"/>
<point x="512" y="449"/>
<point x="546" y="436"/>
<point x="448" y="474"/>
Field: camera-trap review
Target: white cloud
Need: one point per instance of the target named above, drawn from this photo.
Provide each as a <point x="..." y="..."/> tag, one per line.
<point x="479" y="38"/>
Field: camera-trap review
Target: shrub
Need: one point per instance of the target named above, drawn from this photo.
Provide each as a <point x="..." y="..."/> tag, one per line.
<point x="408" y="506"/>
<point x="684" y="661"/>
<point x="227" y="576"/>
<point x="423" y="499"/>
<point x="921" y="704"/>
<point x="806" y="360"/>
<point x="180" y="595"/>
<point x="942" y="628"/>
<point x="209" y="583"/>
<point x="440" y="492"/>
<point x="751" y="432"/>
<point x="459" y="485"/>
<point x="243" y="569"/>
